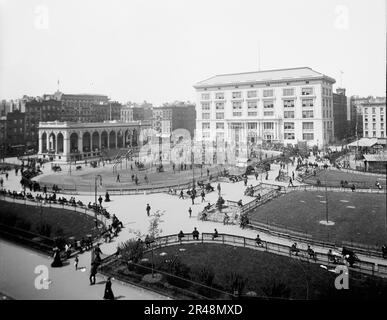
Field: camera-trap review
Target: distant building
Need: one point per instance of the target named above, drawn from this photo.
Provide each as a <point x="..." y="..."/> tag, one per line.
<point x="3" y="136"/>
<point x="15" y="129"/>
<point x="340" y="121"/>
<point x="374" y="117"/>
<point x="284" y="106"/>
<point x="126" y="114"/>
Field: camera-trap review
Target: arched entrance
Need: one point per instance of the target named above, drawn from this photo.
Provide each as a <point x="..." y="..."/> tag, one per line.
<point x="112" y="140"/>
<point x="134" y="138"/>
<point x="44" y="142"/>
<point x="104" y="140"/>
<point x="73" y="142"/>
<point x="86" y="142"/>
<point x="120" y="139"/>
<point x="128" y="138"/>
<point x="95" y="140"/>
<point x="52" y="142"/>
<point x="59" y="143"/>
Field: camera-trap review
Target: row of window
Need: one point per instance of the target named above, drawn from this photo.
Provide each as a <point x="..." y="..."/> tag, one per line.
<point x="266" y="113"/>
<point x="254" y="93"/>
<point x="374" y="134"/>
<point x="373" y="110"/>
<point x="374" y="126"/>
<point x="288" y="103"/>
<point x="374" y="119"/>
<point x="266" y="126"/>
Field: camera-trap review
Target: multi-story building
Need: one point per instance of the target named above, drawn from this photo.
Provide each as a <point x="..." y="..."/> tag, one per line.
<point x="105" y="112"/>
<point x="284" y="105"/>
<point x="3" y="136"/>
<point x="126" y="114"/>
<point x="340" y="121"/>
<point x="39" y="110"/>
<point x="172" y="116"/>
<point x="374" y="118"/>
<point x="15" y="139"/>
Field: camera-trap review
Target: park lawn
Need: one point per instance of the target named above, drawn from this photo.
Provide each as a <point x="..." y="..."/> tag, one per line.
<point x="267" y="274"/>
<point x="63" y="222"/>
<point x="333" y="178"/>
<point x="358" y="217"/>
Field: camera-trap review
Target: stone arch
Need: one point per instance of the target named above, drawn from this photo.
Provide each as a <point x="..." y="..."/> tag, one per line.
<point x="120" y="139"/>
<point x="134" y="138"/>
<point x="74" y="142"/>
<point x="60" y="141"/>
<point x="104" y="140"/>
<point x="112" y="140"/>
<point x="95" y="140"/>
<point x="128" y="138"/>
<point x="44" y="141"/>
<point x="86" y="142"/>
<point x="52" y="142"/>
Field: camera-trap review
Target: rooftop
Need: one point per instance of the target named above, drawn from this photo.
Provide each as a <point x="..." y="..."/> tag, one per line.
<point x="264" y="76"/>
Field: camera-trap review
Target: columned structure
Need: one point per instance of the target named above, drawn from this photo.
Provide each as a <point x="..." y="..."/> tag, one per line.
<point x="72" y="141"/>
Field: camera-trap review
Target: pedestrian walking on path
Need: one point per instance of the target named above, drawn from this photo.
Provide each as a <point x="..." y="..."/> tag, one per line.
<point x="148" y="208"/>
<point x="291" y="182"/>
<point x="93" y="272"/>
<point x="193" y="198"/>
<point x="190" y="212"/>
<point x="118" y="178"/>
<point x="181" y="196"/>
<point x="76" y="262"/>
<point x="108" y="290"/>
<point x="218" y="187"/>
<point x="203" y="194"/>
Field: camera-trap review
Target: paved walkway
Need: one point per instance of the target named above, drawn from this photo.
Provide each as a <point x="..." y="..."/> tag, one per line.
<point x="131" y="210"/>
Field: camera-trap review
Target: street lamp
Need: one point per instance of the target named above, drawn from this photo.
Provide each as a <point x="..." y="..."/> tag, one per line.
<point x="98" y="177"/>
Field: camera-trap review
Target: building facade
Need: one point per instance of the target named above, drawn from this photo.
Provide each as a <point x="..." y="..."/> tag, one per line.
<point x="341" y="124"/>
<point x="126" y="114"/>
<point x="73" y="141"/>
<point x="374" y="118"/>
<point x="285" y="105"/>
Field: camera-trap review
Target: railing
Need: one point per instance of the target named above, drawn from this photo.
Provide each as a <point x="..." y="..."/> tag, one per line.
<point x="333" y="189"/>
<point x="365" y="267"/>
<point x="51" y="204"/>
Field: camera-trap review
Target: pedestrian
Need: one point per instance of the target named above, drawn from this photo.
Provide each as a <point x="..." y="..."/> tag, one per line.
<point x="193" y="198"/>
<point x="93" y="272"/>
<point x="76" y="262"/>
<point x="108" y="290"/>
<point x="245" y="181"/>
<point x="1" y="182"/>
<point x="190" y="212"/>
<point x="218" y="187"/>
<point x="256" y="176"/>
<point x="291" y="182"/>
<point x="100" y="201"/>
<point x="208" y="172"/>
<point x="203" y="194"/>
<point x="118" y="178"/>
<point x="6" y="176"/>
<point x="293" y="175"/>
<point x="181" y="194"/>
<point x="148" y="208"/>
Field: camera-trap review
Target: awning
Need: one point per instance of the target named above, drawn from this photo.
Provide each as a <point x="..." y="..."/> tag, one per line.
<point x="364" y="142"/>
<point x="375" y="157"/>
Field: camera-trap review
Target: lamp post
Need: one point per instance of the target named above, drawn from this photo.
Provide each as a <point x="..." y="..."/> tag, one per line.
<point x="96" y="178"/>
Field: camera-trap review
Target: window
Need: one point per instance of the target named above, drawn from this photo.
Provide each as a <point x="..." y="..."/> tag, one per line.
<point x="288" y="92"/>
<point x="323" y="91"/>
<point x="236" y="95"/>
<point x="382" y="126"/>
<point x="307" y="126"/>
<point x="373" y="133"/>
<point x="252" y="105"/>
<point x="307" y="91"/>
<point x="237" y="105"/>
<point x="366" y="126"/>
<point x="205" y="116"/>
<point x="205" y="125"/>
<point x="365" y="110"/>
<point x="205" y="106"/>
<point x="219" y="125"/>
<point x="381" y="110"/>
<point x="289" y="136"/>
<point x="268" y="93"/>
<point x="252" y="94"/>
<point x="219" y="95"/>
<point x="268" y="113"/>
<point x="373" y="110"/>
<point x="252" y="114"/>
<point x="288" y="103"/>
<point x="366" y="133"/>
<point x="268" y="125"/>
<point x="206" y="135"/>
<point x="374" y="126"/>
<point x="269" y="104"/>
<point x="366" y="119"/>
<point x="219" y="115"/>
<point x="381" y="118"/>
<point x="382" y="134"/>
<point x="307" y="113"/>
<point x="288" y="114"/>
<point x="252" y="125"/>
<point x="219" y="105"/>
<point x="307" y="102"/>
<point x="289" y="125"/>
<point x="307" y="136"/>
<point x="205" y="96"/>
<point x="237" y="114"/>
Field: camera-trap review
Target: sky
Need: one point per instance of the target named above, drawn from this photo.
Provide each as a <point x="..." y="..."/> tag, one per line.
<point x="156" y="50"/>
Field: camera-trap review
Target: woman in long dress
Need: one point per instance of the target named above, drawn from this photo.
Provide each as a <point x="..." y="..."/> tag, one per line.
<point x="57" y="261"/>
<point x="108" y="290"/>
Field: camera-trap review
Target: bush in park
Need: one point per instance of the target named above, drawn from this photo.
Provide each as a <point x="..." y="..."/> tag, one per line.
<point x="132" y="250"/>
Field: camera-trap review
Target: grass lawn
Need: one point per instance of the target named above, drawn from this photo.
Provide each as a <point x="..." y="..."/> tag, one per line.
<point x="267" y="274"/>
<point x="358" y="217"/>
<point x="63" y="222"/>
<point x="333" y="178"/>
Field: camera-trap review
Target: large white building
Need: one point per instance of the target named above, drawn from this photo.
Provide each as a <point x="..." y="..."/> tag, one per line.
<point x="284" y="105"/>
<point x="374" y="116"/>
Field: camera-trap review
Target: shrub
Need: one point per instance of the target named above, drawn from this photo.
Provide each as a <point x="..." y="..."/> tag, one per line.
<point x="132" y="250"/>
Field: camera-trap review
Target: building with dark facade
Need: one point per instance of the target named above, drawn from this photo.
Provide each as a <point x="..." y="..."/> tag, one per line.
<point x="340" y="121"/>
<point x="15" y="128"/>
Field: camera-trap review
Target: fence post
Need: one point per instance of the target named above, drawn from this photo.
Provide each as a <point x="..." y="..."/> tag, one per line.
<point x="244" y="242"/>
